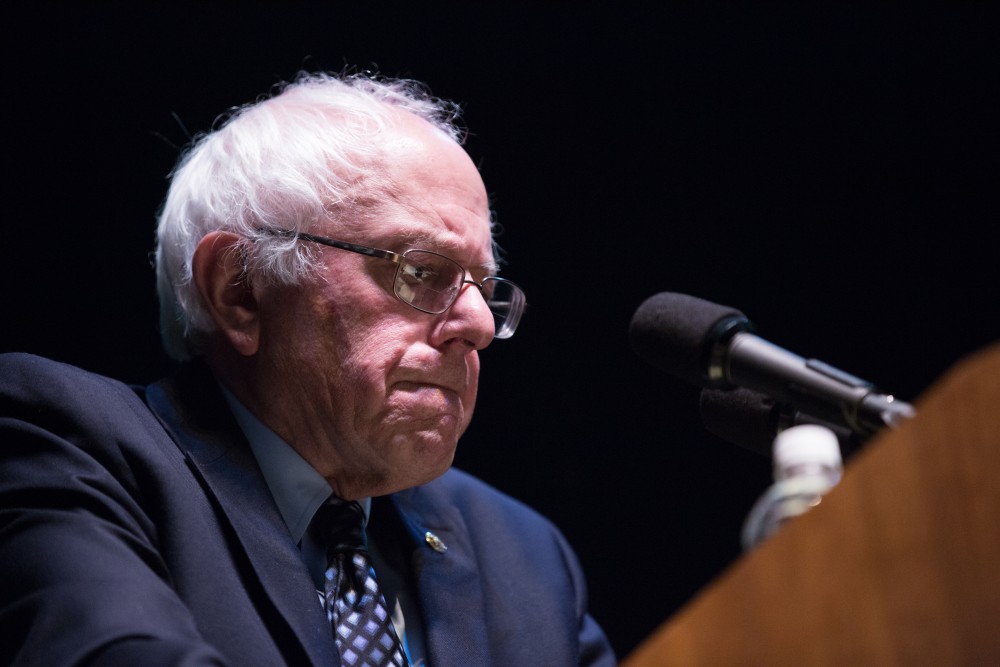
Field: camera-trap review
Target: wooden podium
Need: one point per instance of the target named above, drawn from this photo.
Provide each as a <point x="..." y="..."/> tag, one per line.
<point x="899" y="565"/>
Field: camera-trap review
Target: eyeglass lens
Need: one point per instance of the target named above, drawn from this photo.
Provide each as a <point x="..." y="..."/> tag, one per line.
<point x="430" y="282"/>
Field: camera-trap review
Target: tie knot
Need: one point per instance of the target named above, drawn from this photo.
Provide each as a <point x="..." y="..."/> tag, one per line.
<point x="340" y="525"/>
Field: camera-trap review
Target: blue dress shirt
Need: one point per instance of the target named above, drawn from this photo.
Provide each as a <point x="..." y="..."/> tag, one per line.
<point x="299" y="490"/>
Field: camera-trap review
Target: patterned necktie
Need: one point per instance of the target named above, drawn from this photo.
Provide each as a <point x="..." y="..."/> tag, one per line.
<point x="357" y="611"/>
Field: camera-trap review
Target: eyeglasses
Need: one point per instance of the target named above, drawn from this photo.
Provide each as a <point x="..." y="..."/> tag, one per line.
<point x="431" y="282"/>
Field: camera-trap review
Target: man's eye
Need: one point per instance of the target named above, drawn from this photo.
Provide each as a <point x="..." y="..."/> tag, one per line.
<point x="419" y="272"/>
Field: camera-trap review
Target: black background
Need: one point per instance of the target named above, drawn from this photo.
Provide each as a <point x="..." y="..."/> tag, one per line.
<point x="831" y="171"/>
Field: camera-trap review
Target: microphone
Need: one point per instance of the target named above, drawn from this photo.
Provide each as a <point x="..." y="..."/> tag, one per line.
<point x="753" y="420"/>
<point x="714" y="347"/>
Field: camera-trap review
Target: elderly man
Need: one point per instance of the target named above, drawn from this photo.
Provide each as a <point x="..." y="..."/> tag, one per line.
<point x="327" y="277"/>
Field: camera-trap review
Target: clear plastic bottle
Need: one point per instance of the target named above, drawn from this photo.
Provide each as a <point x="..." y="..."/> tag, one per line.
<point x="807" y="464"/>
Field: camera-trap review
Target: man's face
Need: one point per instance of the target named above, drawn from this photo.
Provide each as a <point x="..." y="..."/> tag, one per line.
<point x="373" y="393"/>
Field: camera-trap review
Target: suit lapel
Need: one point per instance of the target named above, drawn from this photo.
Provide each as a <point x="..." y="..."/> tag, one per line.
<point x="192" y="408"/>
<point x="448" y="584"/>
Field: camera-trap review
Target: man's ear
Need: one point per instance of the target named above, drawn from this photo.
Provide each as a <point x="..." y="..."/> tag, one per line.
<point x="218" y="271"/>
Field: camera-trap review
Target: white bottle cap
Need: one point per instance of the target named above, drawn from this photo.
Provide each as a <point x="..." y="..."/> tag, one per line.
<point x="806" y="444"/>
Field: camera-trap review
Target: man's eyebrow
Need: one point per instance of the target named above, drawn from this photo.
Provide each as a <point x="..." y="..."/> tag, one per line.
<point x="421" y="239"/>
<point x="425" y="241"/>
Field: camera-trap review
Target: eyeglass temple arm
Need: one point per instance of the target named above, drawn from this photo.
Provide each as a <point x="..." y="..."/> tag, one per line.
<point x="334" y="243"/>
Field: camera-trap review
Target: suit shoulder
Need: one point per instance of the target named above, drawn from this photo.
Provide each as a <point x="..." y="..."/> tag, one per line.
<point x="31" y="373"/>
<point x="481" y="501"/>
<point x="456" y="482"/>
<point x="32" y="387"/>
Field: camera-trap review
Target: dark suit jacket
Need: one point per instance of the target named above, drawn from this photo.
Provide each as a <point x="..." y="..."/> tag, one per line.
<point x="136" y="529"/>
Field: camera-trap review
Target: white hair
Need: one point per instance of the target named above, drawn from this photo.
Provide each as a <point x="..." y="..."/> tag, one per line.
<point x="286" y="161"/>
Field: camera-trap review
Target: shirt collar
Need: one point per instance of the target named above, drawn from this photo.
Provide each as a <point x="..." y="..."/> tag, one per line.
<point x="298" y="488"/>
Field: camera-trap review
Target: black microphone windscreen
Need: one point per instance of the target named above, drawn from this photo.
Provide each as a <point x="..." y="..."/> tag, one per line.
<point x="676" y="332"/>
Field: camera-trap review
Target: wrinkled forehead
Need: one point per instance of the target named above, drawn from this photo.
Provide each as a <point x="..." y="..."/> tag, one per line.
<point x="427" y="193"/>
<point x="466" y="239"/>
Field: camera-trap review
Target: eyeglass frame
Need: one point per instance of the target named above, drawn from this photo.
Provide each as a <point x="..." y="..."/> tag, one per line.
<point x="398" y="259"/>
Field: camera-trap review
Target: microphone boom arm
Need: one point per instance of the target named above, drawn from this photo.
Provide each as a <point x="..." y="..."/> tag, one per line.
<point x="810" y="384"/>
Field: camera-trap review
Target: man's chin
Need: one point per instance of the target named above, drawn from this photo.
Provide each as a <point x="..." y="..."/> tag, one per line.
<point x="433" y="453"/>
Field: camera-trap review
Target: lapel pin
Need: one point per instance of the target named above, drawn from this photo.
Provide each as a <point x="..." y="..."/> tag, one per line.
<point x="435" y="542"/>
